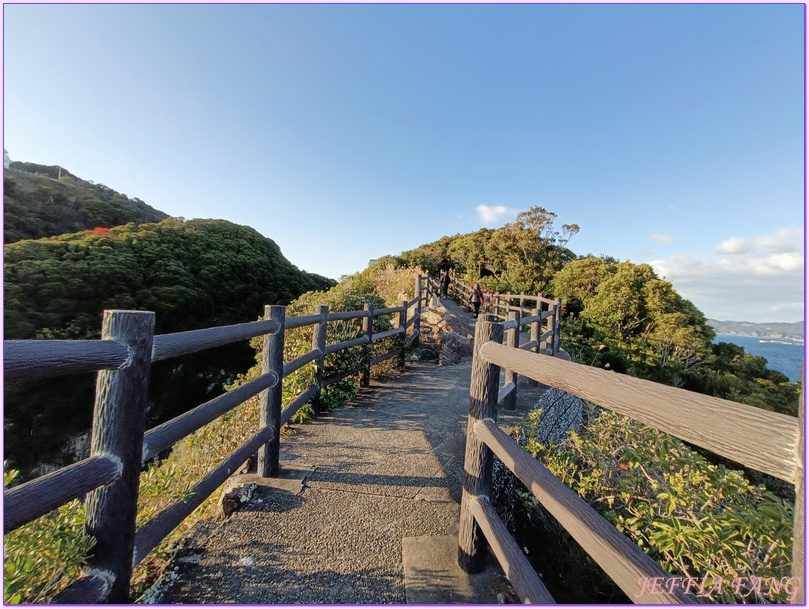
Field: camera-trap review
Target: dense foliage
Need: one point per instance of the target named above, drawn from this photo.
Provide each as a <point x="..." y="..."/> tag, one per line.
<point x="695" y="518"/>
<point x="622" y="316"/>
<point x="522" y="256"/>
<point x="36" y="206"/>
<point x="193" y="274"/>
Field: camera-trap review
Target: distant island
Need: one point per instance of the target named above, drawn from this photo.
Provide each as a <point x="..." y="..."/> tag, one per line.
<point x="789" y="331"/>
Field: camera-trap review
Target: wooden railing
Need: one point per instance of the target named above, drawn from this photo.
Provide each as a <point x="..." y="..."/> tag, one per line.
<point x="120" y="446"/>
<point x="501" y="306"/>
<point x="766" y="441"/>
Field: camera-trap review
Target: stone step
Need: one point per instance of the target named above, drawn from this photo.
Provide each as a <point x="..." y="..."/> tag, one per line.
<point x="432" y="575"/>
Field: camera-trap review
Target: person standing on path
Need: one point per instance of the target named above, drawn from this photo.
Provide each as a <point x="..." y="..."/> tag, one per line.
<point x="444" y="281"/>
<point x="477" y="298"/>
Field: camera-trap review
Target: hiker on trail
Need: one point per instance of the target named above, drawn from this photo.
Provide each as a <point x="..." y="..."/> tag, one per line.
<point x="444" y="281"/>
<point x="477" y="298"/>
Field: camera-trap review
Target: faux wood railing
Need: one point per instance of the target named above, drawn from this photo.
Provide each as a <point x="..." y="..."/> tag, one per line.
<point x="120" y="446"/>
<point x="766" y="441"/>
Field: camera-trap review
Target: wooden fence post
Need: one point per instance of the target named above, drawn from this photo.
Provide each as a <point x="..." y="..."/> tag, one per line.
<point x="483" y="391"/>
<point x="272" y="360"/>
<point x="798" y="539"/>
<point x="522" y="303"/>
<point x="319" y="342"/>
<point x="417" y="313"/>
<point x="557" y="324"/>
<point x="536" y="331"/>
<point x="402" y="322"/>
<point x="547" y="344"/>
<point x="368" y="330"/>
<point x="513" y="341"/>
<point x="119" y="419"/>
<point x="497" y="307"/>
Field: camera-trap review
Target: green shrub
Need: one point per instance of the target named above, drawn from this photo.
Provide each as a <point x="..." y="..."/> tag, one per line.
<point x="43" y="556"/>
<point x="695" y="518"/>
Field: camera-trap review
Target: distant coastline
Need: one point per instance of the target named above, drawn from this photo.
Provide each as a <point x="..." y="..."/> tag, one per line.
<point x="775" y="331"/>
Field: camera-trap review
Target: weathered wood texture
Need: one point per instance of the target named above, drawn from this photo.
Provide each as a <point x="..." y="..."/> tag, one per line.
<point x="514" y="563"/>
<point x="153" y="532"/>
<point x="403" y="328"/>
<point x="319" y="332"/>
<point x="512" y="340"/>
<point x="167" y="434"/>
<point x="387" y="311"/>
<point x="557" y="324"/>
<point x="299" y="362"/>
<point x="295" y="405"/>
<point x="29" y="501"/>
<point x="346" y="344"/>
<point x="300" y="321"/>
<point x="386" y="356"/>
<point x="529" y="346"/>
<point x="368" y="331"/>
<point x="416" y="314"/>
<point x="536" y="327"/>
<point x="626" y="564"/>
<point x="167" y="346"/>
<point x="505" y="390"/>
<point x="35" y="358"/>
<point x="386" y="333"/>
<point x="118" y="425"/>
<point x="91" y="589"/>
<point x="272" y="359"/>
<point x="483" y="393"/>
<point x="341" y="375"/>
<point x="345" y="315"/>
<point x="799" y="526"/>
<point x="754" y="437"/>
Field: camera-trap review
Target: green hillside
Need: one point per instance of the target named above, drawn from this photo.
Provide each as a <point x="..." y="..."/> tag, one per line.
<point x="37" y="204"/>
<point x="192" y="274"/>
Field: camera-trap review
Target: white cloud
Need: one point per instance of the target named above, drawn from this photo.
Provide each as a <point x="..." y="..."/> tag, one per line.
<point x="734" y="245"/>
<point x="492" y="214"/>
<point x="758" y="280"/>
<point x="661" y="238"/>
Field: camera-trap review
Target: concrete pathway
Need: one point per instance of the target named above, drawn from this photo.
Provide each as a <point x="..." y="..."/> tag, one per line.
<point x="368" y="504"/>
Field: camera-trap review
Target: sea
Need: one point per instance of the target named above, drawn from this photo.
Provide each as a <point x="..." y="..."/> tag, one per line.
<point x="782" y="354"/>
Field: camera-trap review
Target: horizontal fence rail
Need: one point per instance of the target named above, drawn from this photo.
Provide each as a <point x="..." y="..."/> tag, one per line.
<point x="124" y="357"/>
<point x="38" y="358"/>
<point x="766" y="441"/>
<point x="183" y="343"/>
<point x="29" y="501"/>
<point x="754" y="437"/>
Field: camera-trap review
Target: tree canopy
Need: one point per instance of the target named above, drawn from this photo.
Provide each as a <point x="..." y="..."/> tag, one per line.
<point x="36" y="206"/>
<point x="192" y="274"/>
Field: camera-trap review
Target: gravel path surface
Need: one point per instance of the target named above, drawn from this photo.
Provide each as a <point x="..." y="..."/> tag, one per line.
<point x="388" y="465"/>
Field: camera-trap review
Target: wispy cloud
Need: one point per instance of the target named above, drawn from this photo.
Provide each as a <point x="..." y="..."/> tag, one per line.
<point x="655" y="238"/>
<point x="493" y="214"/>
<point x="760" y="279"/>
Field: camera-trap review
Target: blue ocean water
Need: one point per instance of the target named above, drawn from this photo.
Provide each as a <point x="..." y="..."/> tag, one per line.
<point x="782" y="355"/>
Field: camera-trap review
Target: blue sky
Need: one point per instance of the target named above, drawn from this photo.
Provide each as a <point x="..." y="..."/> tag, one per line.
<point x="672" y="134"/>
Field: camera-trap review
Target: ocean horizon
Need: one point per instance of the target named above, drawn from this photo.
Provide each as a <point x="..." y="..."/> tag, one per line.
<point x="784" y="355"/>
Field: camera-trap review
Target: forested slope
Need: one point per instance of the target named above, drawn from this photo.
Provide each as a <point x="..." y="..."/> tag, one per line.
<point x="36" y="206"/>
<point x="192" y="274"/>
